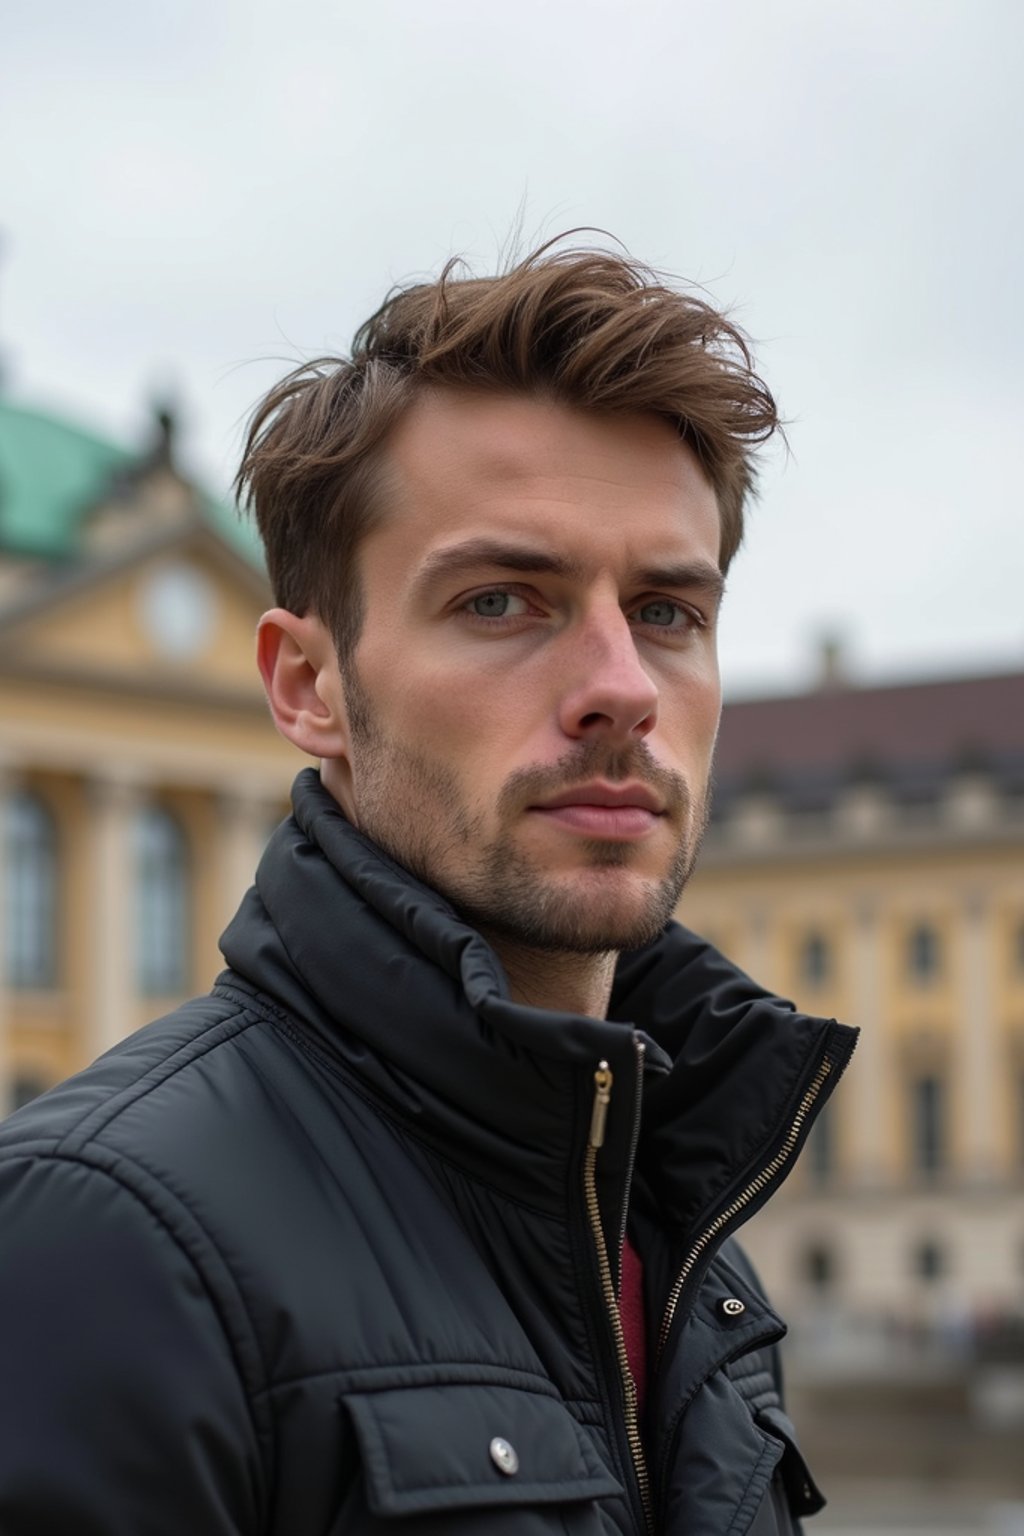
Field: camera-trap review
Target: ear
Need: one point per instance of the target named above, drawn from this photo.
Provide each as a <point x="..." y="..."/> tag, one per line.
<point x="299" y="667"/>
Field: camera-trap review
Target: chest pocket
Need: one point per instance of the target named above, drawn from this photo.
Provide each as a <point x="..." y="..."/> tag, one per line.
<point x="484" y="1450"/>
<point x="802" y="1495"/>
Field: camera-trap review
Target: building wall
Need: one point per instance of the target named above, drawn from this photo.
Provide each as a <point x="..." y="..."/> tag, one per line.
<point x="866" y="1231"/>
<point x="95" y="996"/>
<point x="99" y="724"/>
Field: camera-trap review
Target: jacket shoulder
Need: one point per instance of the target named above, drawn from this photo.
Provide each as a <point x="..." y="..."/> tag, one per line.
<point x="78" y="1110"/>
<point x="102" y="1303"/>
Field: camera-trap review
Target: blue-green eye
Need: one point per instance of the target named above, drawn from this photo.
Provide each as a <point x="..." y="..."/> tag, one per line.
<point x="497" y="605"/>
<point x="662" y="613"/>
<point x="491" y="605"/>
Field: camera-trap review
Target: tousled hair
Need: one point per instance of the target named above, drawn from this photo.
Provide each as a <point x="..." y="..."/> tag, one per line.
<point x="588" y="328"/>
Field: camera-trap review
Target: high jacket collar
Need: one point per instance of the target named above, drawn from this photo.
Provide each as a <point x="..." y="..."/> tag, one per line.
<point x="399" y="989"/>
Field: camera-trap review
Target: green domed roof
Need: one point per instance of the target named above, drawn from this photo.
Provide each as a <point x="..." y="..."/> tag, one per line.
<point x="50" y="474"/>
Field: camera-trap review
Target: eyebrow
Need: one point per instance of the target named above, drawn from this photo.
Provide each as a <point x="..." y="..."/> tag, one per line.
<point x="494" y="552"/>
<point x="694" y="576"/>
<point x="697" y="575"/>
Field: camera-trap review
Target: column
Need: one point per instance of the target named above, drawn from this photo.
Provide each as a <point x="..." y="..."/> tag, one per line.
<point x="866" y="1095"/>
<point x="112" y="1012"/>
<point x="245" y="818"/>
<point x="756" y="957"/>
<point x="974" y="1050"/>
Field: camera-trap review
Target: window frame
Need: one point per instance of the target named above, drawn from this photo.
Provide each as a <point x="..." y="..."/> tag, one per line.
<point x="929" y="1124"/>
<point x="923" y="953"/>
<point x="162" y="878"/>
<point x="31" y="873"/>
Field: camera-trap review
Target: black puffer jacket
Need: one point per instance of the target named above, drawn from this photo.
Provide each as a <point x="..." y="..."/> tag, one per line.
<point x="310" y="1255"/>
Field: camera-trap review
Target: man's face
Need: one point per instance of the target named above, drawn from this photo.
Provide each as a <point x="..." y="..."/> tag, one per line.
<point x="534" y="696"/>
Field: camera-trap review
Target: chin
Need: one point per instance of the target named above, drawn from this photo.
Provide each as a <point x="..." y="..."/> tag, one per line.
<point x="588" y="916"/>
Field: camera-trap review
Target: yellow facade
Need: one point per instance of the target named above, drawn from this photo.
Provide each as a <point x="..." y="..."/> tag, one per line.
<point x="101" y="719"/>
<point x="908" y="1167"/>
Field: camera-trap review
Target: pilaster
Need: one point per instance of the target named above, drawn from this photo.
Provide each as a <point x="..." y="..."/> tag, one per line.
<point x="114" y="800"/>
<point x="866" y="1098"/>
<point x="245" y="817"/>
<point x="975" y="1043"/>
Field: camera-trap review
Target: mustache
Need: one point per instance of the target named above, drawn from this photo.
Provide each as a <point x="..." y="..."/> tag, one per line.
<point x="595" y="760"/>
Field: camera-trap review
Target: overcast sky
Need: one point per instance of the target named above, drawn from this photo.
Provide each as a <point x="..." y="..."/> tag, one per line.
<point x="195" y="195"/>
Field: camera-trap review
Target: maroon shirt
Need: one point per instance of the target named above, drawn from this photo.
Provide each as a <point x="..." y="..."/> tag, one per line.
<point x="634" y="1322"/>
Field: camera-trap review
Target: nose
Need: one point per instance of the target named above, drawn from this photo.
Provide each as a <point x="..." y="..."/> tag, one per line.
<point x="609" y="696"/>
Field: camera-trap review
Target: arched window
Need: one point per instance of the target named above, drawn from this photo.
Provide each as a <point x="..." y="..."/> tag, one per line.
<point x="815" y="959"/>
<point x="924" y="954"/>
<point x="30" y="853"/>
<point x="162" y="908"/>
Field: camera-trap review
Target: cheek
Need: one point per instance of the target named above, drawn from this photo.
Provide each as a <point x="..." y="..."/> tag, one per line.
<point x="690" y="717"/>
<point x="472" y="701"/>
<point x="444" y="716"/>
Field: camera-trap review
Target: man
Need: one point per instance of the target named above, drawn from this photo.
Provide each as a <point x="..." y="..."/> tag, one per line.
<point x="420" y="1221"/>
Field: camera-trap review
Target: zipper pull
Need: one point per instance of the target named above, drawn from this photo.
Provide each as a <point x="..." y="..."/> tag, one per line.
<point x="602" y="1098"/>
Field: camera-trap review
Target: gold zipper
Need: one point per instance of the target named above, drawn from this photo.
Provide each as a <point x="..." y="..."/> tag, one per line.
<point x="754" y="1188"/>
<point x="598" y="1121"/>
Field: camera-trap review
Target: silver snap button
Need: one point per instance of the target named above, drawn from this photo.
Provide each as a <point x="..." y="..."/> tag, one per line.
<point x="732" y="1307"/>
<point x="504" y="1457"/>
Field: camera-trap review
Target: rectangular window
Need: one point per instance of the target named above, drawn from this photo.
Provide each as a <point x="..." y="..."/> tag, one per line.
<point x="162" y="903"/>
<point x="928" y="1124"/>
<point x="923" y="954"/>
<point x="29" y="836"/>
<point x="821" y="1148"/>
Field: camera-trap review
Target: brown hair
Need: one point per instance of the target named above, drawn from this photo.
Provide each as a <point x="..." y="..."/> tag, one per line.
<point x="588" y="328"/>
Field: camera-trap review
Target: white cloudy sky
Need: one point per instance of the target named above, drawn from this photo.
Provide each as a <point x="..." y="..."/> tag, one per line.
<point x="190" y="193"/>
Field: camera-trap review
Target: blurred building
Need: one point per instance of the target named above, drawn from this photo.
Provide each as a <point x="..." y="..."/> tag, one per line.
<point x="866" y="858"/>
<point x="139" y="770"/>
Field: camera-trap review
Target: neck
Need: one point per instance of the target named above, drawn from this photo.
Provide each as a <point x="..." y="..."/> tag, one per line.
<point x="561" y="982"/>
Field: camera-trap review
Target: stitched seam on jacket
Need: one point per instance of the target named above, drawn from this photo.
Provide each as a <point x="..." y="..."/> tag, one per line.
<point x="133" y="1161"/>
<point x="97" y="1119"/>
<point x="365" y="1379"/>
<point x="718" y="1365"/>
<point x="209" y="1290"/>
<point x="282" y="1021"/>
<point x="756" y="1384"/>
<point x="249" y="996"/>
<point x="743" y="1511"/>
<point x="757" y="1379"/>
<point x="757" y="1390"/>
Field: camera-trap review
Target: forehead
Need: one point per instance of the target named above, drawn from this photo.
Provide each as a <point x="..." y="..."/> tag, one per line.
<point x="462" y="464"/>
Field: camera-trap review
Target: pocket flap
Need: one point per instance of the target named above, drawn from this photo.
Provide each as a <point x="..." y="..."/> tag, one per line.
<point x="448" y="1446"/>
<point x="802" y="1492"/>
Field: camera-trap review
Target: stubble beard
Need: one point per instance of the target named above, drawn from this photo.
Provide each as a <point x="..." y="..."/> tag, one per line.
<point x="413" y="808"/>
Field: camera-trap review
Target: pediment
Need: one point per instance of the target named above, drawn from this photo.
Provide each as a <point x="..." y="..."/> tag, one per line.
<point x="179" y="612"/>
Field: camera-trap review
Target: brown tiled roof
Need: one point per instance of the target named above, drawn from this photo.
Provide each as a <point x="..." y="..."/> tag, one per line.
<point x="902" y="731"/>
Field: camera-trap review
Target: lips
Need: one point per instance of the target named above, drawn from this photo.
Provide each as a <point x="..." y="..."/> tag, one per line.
<point x="635" y="796"/>
<point x="611" y="813"/>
